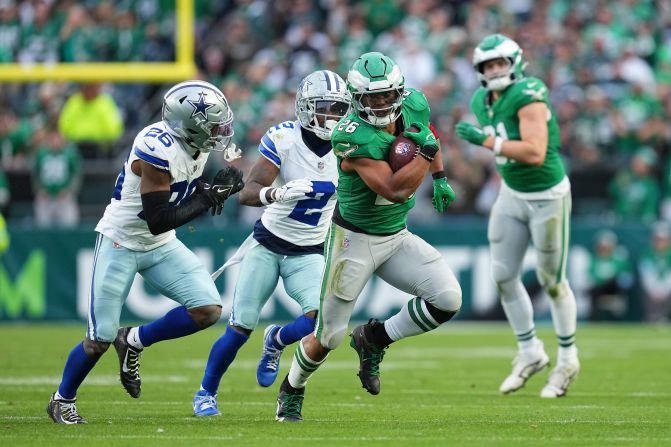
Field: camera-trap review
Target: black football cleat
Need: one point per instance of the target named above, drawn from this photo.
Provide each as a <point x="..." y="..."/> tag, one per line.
<point x="129" y="363"/>
<point x="370" y="356"/>
<point x="289" y="403"/>
<point x="64" y="411"/>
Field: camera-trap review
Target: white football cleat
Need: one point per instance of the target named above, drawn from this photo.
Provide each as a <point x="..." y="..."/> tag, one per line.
<point x="561" y="378"/>
<point x="526" y="364"/>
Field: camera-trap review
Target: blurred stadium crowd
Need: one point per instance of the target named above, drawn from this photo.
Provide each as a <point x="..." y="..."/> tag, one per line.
<point x="607" y="64"/>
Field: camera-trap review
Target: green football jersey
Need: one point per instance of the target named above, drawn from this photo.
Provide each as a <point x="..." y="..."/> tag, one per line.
<point x="500" y="119"/>
<point x="353" y="137"/>
<point x="56" y="170"/>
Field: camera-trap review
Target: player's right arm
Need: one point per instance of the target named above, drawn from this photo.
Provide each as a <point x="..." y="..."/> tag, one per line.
<point x="532" y="147"/>
<point x="378" y="176"/>
<point x="257" y="191"/>
<point x="262" y="175"/>
<point x="533" y="113"/>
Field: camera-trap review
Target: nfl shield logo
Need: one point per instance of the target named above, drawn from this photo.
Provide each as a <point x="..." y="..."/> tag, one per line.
<point x="403" y="148"/>
<point x="320" y="165"/>
<point x="345" y="243"/>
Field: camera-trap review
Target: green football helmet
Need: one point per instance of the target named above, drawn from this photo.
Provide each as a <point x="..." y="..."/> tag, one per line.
<point x="498" y="46"/>
<point x="377" y="86"/>
<point x="198" y="113"/>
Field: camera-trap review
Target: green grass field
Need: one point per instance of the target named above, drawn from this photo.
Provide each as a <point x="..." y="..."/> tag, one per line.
<point x="437" y="389"/>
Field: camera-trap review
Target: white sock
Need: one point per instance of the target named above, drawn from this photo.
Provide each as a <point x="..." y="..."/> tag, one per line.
<point x="528" y="345"/>
<point x="302" y="367"/>
<point x="564" y="315"/>
<point x="519" y="312"/>
<point x="567" y="354"/>
<point x="413" y="319"/>
<point x="133" y="338"/>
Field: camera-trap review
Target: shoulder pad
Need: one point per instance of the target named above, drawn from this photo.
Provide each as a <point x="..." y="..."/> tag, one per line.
<point x="155" y="146"/>
<point x="478" y="98"/>
<point x="275" y="139"/>
<point x="415" y="100"/>
<point x="349" y="135"/>
<point x="529" y="90"/>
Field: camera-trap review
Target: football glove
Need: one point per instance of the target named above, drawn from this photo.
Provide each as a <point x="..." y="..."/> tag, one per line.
<point x="425" y="139"/>
<point x="226" y="183"/>
<point x="471" y="133"/>
<point x="294" y="190"/>
<point x="443" y="194"/>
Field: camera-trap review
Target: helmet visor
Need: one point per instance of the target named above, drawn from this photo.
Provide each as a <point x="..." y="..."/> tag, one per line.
<point x="222" y="130"/>
<point x="380" y="104"/>
<point x="331" y="109"/>
<point x="220" y="134"/>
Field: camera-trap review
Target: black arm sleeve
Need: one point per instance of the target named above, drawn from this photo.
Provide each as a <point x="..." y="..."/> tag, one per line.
<point x="161" y="217"/>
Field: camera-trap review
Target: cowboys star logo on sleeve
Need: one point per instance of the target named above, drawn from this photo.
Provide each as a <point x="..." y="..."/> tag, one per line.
<point x="200" y="107"/>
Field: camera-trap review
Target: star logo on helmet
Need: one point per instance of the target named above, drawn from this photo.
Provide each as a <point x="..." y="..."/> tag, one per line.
<point x="200" y="107"/>
<point x="304" y="84"/>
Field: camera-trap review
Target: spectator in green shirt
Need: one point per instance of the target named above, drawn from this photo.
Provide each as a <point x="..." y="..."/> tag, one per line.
<point x="15" y="134"/>
<point x="56" y="181"/>
<point x="92" y="120"/>
<point x="655" y="272"/>
<point x="635" y="191"/>
<point x="610" y="277"/>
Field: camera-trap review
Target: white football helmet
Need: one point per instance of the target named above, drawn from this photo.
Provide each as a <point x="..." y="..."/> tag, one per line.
<point x="498" y="46"/>
<point x="198" y="113"/>
<point x="322" y="100"/>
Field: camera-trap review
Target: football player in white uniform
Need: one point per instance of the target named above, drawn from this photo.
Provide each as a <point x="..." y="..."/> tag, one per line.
<point x="158" y="189"/>
<point x="296" y="178"/>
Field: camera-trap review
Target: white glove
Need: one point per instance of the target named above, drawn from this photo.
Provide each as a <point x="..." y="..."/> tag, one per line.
<point x="232" y="153"/>
<point x="294" y="190"/>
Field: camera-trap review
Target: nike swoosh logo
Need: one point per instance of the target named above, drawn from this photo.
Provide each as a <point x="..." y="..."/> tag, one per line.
<point x="344" y="144"/>
<point x="219" y="189"/>
<point x="124" y="368"/>
<point x="151" y="148"/>
<point x="531" y="84"/>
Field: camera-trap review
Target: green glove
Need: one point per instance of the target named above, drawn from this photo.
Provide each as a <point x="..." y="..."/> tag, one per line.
<point x="425" y="139"/>
<point x="443" y="194"/>
<point x="471" y="133"/>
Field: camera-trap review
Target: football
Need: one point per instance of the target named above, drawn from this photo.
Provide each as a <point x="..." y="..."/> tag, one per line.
<point x="402" y="151"/>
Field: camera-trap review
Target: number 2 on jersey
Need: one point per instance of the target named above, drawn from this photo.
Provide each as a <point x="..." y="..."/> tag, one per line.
<point x="308" y="211"/>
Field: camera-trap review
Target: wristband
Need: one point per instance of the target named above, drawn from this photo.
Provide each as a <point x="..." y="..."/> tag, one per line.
<point x="262" y="195"/>
<point x="498" y="145"/>
<point x="429" y="151"/>
<point x="438" y="175"/>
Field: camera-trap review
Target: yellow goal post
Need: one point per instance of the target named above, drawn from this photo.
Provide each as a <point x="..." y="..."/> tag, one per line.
<point x="183" y="68"/>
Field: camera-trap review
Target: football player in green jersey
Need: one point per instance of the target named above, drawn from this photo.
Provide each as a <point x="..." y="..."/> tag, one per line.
<point x="369" y="235"/>
<point x="518" y="125"/>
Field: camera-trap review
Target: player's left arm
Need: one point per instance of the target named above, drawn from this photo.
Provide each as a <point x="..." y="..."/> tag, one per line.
<point x="532" y="148"/>
<point x="436" y="166"/>
<point x="443" y="194"/>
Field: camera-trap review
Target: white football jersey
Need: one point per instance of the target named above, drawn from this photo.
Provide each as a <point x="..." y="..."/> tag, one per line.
<point x="304" y="222"/>
<point x="123" y="221"/>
